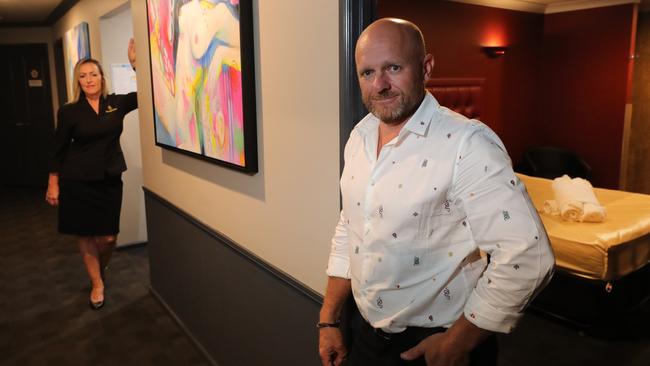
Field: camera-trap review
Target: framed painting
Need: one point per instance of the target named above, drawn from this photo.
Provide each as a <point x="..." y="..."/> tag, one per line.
<point x="76" y="46"/>
<point x="202" y="75"/>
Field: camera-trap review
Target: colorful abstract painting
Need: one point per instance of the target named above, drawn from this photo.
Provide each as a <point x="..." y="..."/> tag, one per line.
<point x="76" y="46"/>
<point x="198" y="72"/>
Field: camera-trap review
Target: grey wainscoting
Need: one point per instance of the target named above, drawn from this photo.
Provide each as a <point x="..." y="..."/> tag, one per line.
<point x="238" y="309"/>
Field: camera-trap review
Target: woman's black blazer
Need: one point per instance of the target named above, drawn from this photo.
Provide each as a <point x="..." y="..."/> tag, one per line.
<point x="87" y="144"/>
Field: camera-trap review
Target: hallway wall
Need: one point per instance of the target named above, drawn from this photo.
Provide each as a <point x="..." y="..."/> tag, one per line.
<point x="239" y="259"/>
<point x="237" y="309"/>
<point x="88" y="11"/>
<point x="285" y="214"/>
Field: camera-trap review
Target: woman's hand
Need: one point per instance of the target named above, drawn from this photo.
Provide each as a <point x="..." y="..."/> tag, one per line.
<point x="52" y="194"/>
<point x="131" y="53"/>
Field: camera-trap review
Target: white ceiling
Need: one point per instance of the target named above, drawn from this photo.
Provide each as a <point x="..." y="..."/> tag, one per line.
<point x="26" y="11"/>
<point x="37" y="11"/>
<point x="548" y="6"/>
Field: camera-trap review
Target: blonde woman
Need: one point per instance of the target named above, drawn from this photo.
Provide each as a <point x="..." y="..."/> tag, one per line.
<point x="86" y="168"/>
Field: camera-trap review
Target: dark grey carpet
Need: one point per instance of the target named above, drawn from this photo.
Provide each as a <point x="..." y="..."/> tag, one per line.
<point x="45" y="318"/>
<point x="44" y="314"/>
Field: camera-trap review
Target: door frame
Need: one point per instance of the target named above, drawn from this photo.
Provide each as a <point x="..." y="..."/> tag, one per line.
<point x="354" y="17"/>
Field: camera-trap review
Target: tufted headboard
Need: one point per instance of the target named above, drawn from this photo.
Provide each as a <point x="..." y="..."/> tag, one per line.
<point x="463" y="95"/>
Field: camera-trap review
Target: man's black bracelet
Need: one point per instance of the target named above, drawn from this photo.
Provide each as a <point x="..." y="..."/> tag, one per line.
<point x="328" y="325"/>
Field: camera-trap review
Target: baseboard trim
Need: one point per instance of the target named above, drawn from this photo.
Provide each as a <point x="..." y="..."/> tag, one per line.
<point x="137" y="244"/>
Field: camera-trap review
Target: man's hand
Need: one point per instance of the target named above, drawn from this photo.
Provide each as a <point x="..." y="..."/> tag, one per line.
<point x="331" y="349"/>
<point x="451" y="348"/>
<point x="437" y="352"/>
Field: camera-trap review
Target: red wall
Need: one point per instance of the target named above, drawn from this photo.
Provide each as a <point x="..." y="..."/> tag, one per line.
<point x="562" y="81"/>
<point x="454" y="34"/>
<point x="586" y="55"/>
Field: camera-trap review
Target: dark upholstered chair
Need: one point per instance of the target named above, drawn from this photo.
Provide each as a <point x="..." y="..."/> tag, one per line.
<point x="552" y="162"/>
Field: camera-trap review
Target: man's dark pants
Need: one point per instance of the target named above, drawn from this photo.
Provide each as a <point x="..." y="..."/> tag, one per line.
<point x="372" y="347"/>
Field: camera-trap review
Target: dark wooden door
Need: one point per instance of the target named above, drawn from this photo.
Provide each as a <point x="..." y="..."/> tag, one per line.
<point x="26" y="118"/>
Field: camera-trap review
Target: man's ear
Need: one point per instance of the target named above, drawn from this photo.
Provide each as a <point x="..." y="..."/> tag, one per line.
<point x="427" y="66"/>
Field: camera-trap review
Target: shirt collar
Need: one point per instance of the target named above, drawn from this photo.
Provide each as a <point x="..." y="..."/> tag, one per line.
<point x="421" y="119"/>
<point x="418" y="123"/>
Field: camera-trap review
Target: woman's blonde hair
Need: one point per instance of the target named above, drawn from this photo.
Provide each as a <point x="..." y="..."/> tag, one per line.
<point x="77" y="86"/>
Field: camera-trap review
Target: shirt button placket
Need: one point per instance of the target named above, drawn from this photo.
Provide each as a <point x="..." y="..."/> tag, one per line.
<point x="367" y="204"/>
<point x="367" y="226"/>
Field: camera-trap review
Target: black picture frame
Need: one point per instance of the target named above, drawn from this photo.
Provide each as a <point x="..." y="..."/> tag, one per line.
<point x="248" y="103"/>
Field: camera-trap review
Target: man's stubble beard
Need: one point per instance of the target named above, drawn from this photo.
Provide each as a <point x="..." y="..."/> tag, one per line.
<point x="405" y="108"/>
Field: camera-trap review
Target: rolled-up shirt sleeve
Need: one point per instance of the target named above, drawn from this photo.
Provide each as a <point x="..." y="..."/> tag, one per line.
<point x="339" y="260"/>
<point x="505" y="225"/>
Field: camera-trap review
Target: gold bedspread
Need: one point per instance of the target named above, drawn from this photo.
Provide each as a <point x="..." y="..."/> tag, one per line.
<point x="604" y="251"/>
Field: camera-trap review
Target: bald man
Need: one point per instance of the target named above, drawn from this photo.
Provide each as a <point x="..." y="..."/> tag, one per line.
<point x="438" y="241"/>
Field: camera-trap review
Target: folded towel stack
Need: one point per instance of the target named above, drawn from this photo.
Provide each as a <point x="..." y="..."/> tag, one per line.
<point x="575" y="201"/>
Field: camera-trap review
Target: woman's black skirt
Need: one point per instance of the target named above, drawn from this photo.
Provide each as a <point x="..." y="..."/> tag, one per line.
<point x="90" y="208"/>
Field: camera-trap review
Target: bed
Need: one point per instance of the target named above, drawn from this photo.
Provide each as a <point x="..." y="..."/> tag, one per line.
<point x="602" y="251"/>
<point x="602" y="270"/>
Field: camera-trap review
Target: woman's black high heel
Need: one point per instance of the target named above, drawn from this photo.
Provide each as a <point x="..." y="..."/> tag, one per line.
<point x="96" y="305"/>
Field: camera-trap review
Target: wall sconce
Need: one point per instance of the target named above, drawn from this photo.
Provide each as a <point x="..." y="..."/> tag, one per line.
<point x="495" y="51"/>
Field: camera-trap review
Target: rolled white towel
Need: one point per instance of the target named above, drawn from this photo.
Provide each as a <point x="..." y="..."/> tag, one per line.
<point x="574" y="196"/>
<point x="576" y="189"/>
<point x="571" y="211"/>
<point x="593" y="213"/>
<point x="550" y="208"/>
